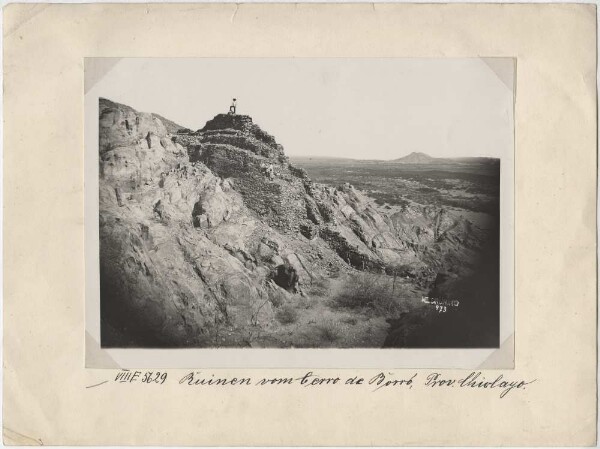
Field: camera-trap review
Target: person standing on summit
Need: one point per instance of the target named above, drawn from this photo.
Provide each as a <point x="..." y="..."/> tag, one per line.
<point x="232" y="107"/>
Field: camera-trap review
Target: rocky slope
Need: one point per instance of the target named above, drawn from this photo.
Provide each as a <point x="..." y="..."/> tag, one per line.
<point x="203" y="234"/>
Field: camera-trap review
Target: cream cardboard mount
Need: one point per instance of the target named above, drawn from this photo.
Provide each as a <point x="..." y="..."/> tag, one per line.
<point x="45" y="396"/>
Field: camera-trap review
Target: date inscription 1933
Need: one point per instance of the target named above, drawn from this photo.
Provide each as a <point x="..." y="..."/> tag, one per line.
<point x="441" y="305"/>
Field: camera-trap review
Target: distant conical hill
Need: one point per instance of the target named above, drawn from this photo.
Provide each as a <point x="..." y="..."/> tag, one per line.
<point x="418" y="158"/>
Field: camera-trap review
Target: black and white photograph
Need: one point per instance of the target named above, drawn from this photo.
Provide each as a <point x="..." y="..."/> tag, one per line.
<point x="300" y="224"/>
<point x="304" y="203"/>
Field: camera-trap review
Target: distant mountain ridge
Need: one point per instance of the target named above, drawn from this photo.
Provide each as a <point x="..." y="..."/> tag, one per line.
<point x="413" y="158"/>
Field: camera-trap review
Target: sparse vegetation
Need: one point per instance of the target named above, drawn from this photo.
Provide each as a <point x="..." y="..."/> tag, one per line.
<point x="276" y="296"/>
<point x="369" y="290"/>
<point x="350" y="320"/>
<point x="319" y="287"/>
<point x="287" y="314"/>
<point x="329" y="331"/>
<point x="307" y="302"/>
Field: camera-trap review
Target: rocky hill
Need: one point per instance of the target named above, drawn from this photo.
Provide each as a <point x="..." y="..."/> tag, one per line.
<point x="171" y="126"/>
<point x="205" y="235"/>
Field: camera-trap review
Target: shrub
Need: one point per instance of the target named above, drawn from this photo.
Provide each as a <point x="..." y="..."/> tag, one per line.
<point x="319" y="287"/>
<point x="350" y="320"/>
<point x="368" y="290"/>
<point x="307" y="302"/>
<point x="287" y="315"/>
<point x="329" y="331"/>
<point x="276" y="296"/>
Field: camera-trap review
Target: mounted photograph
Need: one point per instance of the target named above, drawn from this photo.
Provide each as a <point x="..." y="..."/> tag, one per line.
<point x="301" y="204"/>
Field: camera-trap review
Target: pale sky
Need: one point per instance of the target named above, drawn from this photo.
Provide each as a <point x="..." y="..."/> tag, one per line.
<point x="364" y="108"/>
